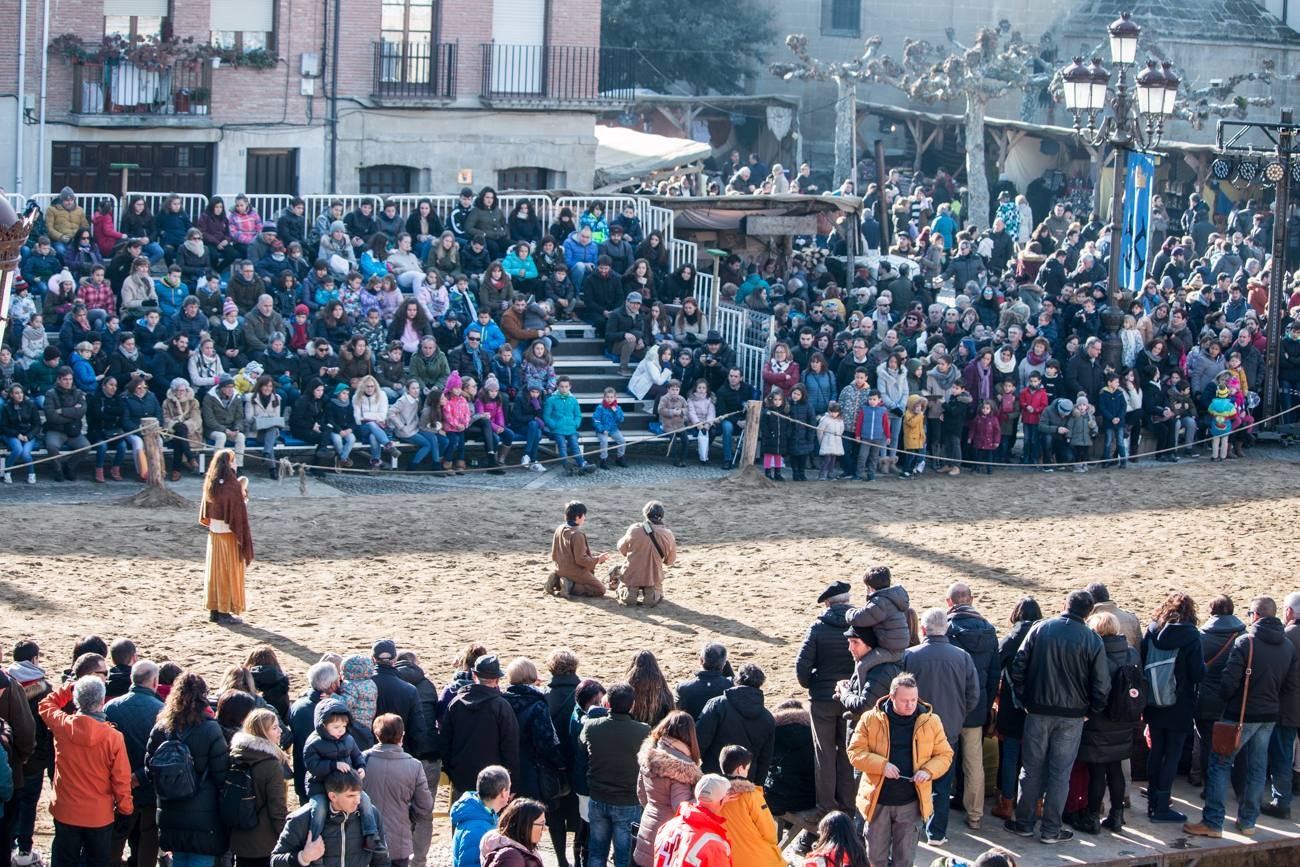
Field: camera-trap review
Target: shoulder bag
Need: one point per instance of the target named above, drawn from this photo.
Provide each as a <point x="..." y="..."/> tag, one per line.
<point x="1227" y="735"/>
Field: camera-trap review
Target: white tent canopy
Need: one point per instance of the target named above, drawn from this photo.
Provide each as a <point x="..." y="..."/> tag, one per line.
<point x="623" y="153"/>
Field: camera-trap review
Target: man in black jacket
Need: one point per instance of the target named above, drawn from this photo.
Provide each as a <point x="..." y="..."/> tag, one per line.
<point x="709" y="682"/>
<point x="479" y="729"/>
<point x="122" y="652"/>
<point x="716" y="360"/>
<point x="1059" y="676"/>
<point x="975" y="635"/>
<point x="738" y="717"/>
<point x="1281" y="746"/>
<point x="823" y="661"/>
<point x="397" y="696"/>
<point x="134" y="714"/>
<point x="341" y="843"/>
<point x="1085" y="372"/>
<point x="600" y="293"/>
<point x="1274" y="680"/>
<point x="731" y="398"/>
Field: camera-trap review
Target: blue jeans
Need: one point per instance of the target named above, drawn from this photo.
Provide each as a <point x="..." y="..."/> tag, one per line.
<point x="101" y="453"/>
<point x="343" y="445"/>
<point x="532" y="439"/>
<point x="1254" y="743"/>
<point x="1008" y="767"/>
<point x="428" y="445"/>
<point x="579" y="273"/>
<point x="378" y="439"/>
<point x="189" y="859"/>
<point x="1116" y="435"/>
<point x="1280" y="749"/>
<point x="455" y="450"/>
<point x="153" y="250"/>
<point x="19" y="453"/>
<point x="610" y="822"/>
<point x="941" y="790"/>
<point x="728" y="428"/>
<point x="568" y="445"/>
<point x="1047" y="753"/>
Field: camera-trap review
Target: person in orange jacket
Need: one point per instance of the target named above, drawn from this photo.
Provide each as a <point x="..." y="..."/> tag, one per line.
<point x="751" y="829"/>
<point x="92" y="774"/>
<point x="697" y="835"/>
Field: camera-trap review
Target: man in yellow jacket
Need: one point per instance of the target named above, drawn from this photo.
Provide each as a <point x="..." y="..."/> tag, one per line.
<point x="900" y="748"/>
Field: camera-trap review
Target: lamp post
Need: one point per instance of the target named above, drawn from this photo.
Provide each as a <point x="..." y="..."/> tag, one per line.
<point x="1135" y="122"/>
<point x="13" y="235"/>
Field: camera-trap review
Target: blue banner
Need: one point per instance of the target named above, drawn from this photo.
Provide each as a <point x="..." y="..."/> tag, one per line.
<point x="1137" y="219"/>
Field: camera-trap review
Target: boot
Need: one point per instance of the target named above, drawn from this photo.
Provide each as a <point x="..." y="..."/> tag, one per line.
<point x="115" y="473"/>
<point x="99" y="475"/>
<point x="1114" y="819"/>
<point x="1089" y="823"/>
<point x="1236" y="450"/>
<point x="69" y="472"/>
<point x="213" y="617"/>
<point x="1158" y="809"/>
<point x="446" y="468"/>
<point x="493" y="467"/>
<point x="460" y="468"/>
<point x="502" y="454"/>
<point x="1005" y="808"/>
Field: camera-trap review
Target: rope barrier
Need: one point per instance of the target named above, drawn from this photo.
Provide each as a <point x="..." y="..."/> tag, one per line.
<point x="63" y="455"/>
<point x="1053" y="465"/>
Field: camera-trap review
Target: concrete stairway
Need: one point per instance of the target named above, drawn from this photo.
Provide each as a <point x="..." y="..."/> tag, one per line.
<point x="579" y="355"/>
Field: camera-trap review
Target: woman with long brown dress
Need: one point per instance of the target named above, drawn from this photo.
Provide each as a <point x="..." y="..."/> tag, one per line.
<point x="230" y="540"/>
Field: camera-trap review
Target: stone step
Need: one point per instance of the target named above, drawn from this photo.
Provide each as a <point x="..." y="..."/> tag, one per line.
<point x="581" y="346"/>
<point x="574" y="330"/>
<point x="595" y="383"/>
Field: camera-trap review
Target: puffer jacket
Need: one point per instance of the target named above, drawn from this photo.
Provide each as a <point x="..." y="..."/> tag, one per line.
<point x="478" y="729"/>
<point x="886" y="615"/>
<point x="194" y="824"/>
<point x="267" y="772"/>
<point x="1275" y="674"/>
<point x="541" y="764"/>
<point x="694" y="694"/>
<point x="471" y="820"/>
<point x="751" y="829"/>
<point x="975" y="635"/>
<point x="1189" y="671"/>
<point x="1217" y="636"/>
<point x="1060" y="669"/>
<point x="791" y="785"/>
<point x="398" y="788"/>
<point x="737" y="717"/>
<point x="344" y="844"/>
<point x="824" y="659"/>
<point x="1105" y="740"/>
<point x="498" y="850"/>
<point x="803" y="436"/>
<point x="92" y="774"/>
<point x="869" y="753"/>
<point x="666" y="780"/>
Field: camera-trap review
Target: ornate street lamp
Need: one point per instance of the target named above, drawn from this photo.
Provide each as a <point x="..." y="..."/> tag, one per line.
<point x="1136" y="121"/>
<point x="13" y="235"/>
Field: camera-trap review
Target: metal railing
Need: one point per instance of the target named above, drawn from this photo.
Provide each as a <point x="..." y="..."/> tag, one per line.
<point x="745" y="332"/>
<point x="184" y="89"/>
<point x="193" y="204"/>
<point x="556" y="74"/>
<point x="87" y="201"/>
<point x="415" y="70"/>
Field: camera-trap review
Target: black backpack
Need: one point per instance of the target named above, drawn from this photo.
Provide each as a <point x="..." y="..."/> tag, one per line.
<point x="171" y="769"/>
<point x="1128" y="694"/>
<point x="238" y="800"/>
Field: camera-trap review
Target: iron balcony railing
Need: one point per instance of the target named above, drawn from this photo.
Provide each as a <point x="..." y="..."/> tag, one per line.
<point x="415" y="70"/>
<point x="124" y="88"/>
<point x="558" y="74"/>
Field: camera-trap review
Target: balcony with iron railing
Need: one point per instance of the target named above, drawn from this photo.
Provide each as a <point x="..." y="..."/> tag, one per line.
<point x="557" y="76"/>
<point x="415" y="71"/>
<point x="124" y="94"/>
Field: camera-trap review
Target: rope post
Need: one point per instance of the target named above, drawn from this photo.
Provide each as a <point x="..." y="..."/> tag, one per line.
<point x="155" y="492"/>
<point x="749" y="448"/>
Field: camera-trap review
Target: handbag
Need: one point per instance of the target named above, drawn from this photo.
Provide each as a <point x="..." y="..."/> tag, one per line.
<point x="1227" y="735"/>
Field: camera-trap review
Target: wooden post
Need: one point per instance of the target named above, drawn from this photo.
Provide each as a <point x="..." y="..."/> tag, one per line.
<point x="155" y="492"/>
<point x="749" y="447"/>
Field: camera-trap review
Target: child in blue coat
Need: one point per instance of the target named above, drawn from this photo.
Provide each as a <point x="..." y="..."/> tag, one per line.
<point x="606" y="419"/>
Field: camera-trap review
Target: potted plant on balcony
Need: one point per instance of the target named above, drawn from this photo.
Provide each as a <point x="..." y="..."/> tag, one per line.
<point x="198" y="100"/>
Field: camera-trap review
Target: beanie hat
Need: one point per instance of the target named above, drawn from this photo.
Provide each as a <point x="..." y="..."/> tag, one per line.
<point x="340" y="388"/>
<point x="491" y="382"/>
<point x="302" y="308"/>
<point x="229" y="307"/>
<point x="454" y="381"/>
<point x="337" y="226"/>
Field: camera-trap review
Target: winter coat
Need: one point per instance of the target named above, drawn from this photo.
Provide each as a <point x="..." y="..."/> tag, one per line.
<point x="695" y="837"/>
<point x="803" y="434"/>
<point x="784" y="378"/>
<point x="885" y="613"/>
<point x="498" y="850"/>
<point x="869" y="752"/>
<point x="775" y="431"/>
<point x="1082" y="429"/>
<point x="790" y="786"/>
<point x="611" y="743"/>
<point x="975" y="635"/>
<point x="985" y="431"/>
<point x="65" y="410"/>
<point x="1060" y="669"/>
<point x="134" y="714"/>
<point x="302" y="723"/>
<point x="541" y="764"/>
<point x="470" y="821"/>
<point x="92" y="773"/>
<point x="830" y="432"/>
<point x="394" y="695"/>
<point x="643" y="566"/>
<point x="607" y="419"/>
<point x="562" y="414"/>
<point x="344" y="844"/>
<point x="1189" y="671"/>
<point x="479" y="729"/>
<point x="737" y="717"/>
<point x="399" y="790"/>
<point x="666" y="779"/>
<point x="1106" y="740"/>
<point x="267" y="772"/>
<point x="648" y="373"/>
<point x="322" y="751"/>
<point x="194" y="824"/>
<point x="824" y="659"/>
<point x="1275" y="677"/>
<point x="692" y="695"/>
<point x="751" y="828"/>
<point x="1218" y="631"/>
<point x="947" y="680"/>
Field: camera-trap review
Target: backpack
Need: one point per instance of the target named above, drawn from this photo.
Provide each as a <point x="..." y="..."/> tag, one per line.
<point x="238" y="800"/>
<point x="171" y="769"/>
<point x="1162" y="684"/>
<point x="1128" y="694"/>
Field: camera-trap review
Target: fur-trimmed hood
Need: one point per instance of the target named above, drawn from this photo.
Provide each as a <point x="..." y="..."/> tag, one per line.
<point x="740" y="785"/>
<point x="251" y="748"/>
<point x="660" y="759"/>
<point x="792" y="716"/>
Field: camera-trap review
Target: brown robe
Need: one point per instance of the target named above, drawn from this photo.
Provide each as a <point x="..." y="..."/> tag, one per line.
<point x="573" y="560"/>
<point x="643" y="567"/>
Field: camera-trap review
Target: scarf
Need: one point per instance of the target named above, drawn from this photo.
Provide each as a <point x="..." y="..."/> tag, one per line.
<point x="778" y="366"/>
<point x="1004" y="367"/>
<point x="1035" y="360"/>
<point x="224" y="501"/>
<point x="134" y="355"/>
<point x="196" y="247"/>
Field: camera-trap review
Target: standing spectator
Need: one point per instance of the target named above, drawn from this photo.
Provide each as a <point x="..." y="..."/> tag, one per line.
<point x="190" y="827"/>
<point x="134" y="715"/>
<point x="514" y="843"/>
<point x="561" y="699"/>
<point x="92" y="774"/>
<point x="256" y="747"/>
<point x="1282" y="744"/>
<point x="1256" y="707"/>
<point x="31" y="749"/>
<point x="397" y="787"/>
<point x="951" y="686"/>
<point x="1129" y="625"/>
<point x="968" y="630"/>
<point x="1059" y="675"/>
<point x="475" y="814"/>
<point x="751" y="830"/>
<point x="824" y="660"/>
<point x="541" y="766"/>
<point x="791" y="785"/>
<point x="323" y="681"/>
<point x="408" y="669"/>
<point x="1011" y="719"/>
<point x="709" y="682"/>
<point x="900" y="748"/>
<point x="479" y="729"/>
<point x="1106" y="742"/>
<point x="1217" y="635"/>
<point x="1170" y="640"/>
<point x="397" y="696"/>
<point x="669" y="763"/>
<point x="341" y="842"/>
<point x="611" y="743"/>
<point x="738" y="718"/>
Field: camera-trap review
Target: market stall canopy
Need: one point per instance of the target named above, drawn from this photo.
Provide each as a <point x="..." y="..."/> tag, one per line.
<point x="723" y="213"/>
<point x="622" y="154"/>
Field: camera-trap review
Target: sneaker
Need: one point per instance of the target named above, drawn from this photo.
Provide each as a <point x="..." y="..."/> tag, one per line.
<point x="1060" y="836"/>
<point x="525" y="461"/>
<point x="587" y="469"/>
<point x="25" y="859"/>
<point x="1014" y="827"/>
<point x="31" y="478"/>
<point x="539" y="468"/>
<point x="1246" y="830"/>
<point x="937" y="841"/>
<point x="8" y="479"/>
<point x="1276" y="811"/>
<point x="604" y="464"/>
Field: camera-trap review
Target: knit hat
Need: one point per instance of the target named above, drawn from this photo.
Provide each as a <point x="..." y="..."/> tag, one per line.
<point x="385" y="648"/>
<point x="229" y="307"/>
<point x="303" y="309"/>
<point x="491" y="382"/>
<point x="1064" y="405"/>
<point x="180" y="382"/>
<point x="337" y="226"/>
<point x="454" y="380"/>
<point x="634" y="298"/>
<point x="340" y="388"/>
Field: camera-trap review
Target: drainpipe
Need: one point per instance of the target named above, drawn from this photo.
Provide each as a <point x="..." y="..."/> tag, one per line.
<point x="19" y="120"/>
<point x="334" y="99"/>
<point x="45" y="68"/>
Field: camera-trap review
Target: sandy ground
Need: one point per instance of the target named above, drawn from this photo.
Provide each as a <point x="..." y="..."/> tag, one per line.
<point x="436" y="572"/>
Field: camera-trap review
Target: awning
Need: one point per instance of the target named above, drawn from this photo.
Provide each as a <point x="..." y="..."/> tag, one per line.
<point x="623" y="153"/>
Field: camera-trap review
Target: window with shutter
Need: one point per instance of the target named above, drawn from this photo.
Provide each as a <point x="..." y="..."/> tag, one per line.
<point x="134" y="18"/>
<point x="842" y="18"/>
<point x="244" y="25"/>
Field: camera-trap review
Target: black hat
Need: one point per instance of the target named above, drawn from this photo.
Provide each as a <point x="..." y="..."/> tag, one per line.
<point x="713" y="337"/>
<point x="862" y="633"/>
<point x="488" y="668"/>
<point x="466" y="191"/>
<point x="839" y="588"/>
<point x="384" y="649"/>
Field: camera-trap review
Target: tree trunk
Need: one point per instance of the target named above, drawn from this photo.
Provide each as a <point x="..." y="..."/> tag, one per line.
<point x="155" y="493"/>
<point x="846" y="115"/>
<point x="977" y="180"/>
<point x="747" y="472"/>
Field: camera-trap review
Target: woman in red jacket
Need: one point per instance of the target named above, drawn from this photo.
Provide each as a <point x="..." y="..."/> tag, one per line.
<point x="780" y="370"/>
